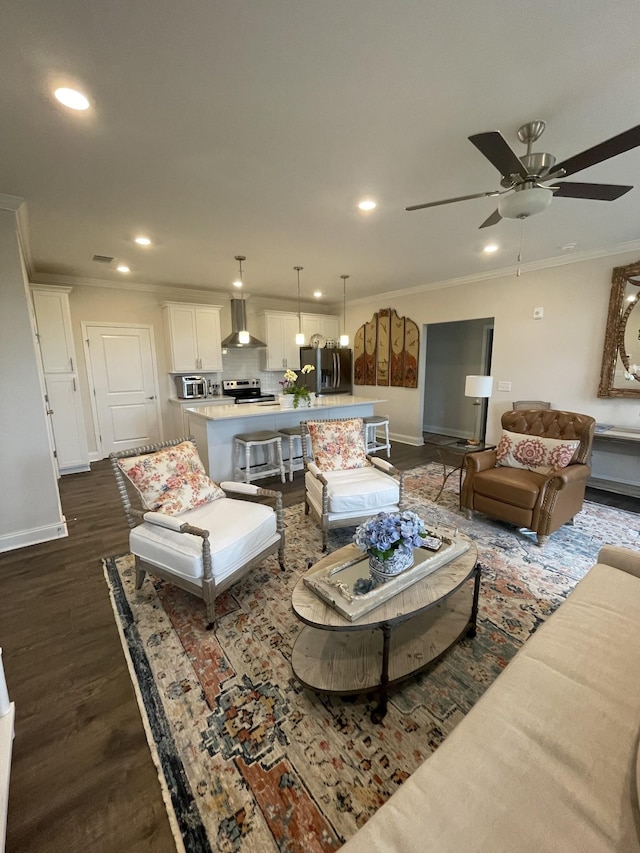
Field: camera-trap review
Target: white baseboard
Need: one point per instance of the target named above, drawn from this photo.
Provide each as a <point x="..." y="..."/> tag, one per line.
<point x="454" y="433"/>
<point x="413" y="440"/>
<point x="74" y="469"/>
<point x="34" y="536"/>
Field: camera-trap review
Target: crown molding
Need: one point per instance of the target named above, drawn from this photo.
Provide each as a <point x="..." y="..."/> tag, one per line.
<point x="185" y="293"/>
<point x="18" y="206"/>
<point x="129" y="285"/>
<point x="164" y="291"/>
<point x="547" y="263"/>
<point x="10" y="202"/>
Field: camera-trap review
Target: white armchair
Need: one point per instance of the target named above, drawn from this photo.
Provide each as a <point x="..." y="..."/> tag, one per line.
<point x="188" y="531"/>
<point x="343" y="485"/>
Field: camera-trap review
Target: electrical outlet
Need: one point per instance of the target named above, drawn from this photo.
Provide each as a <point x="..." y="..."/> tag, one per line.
<point x="504" y="386"/>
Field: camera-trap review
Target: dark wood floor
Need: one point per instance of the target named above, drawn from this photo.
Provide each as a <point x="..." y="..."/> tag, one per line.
<point x="82" y="775"/>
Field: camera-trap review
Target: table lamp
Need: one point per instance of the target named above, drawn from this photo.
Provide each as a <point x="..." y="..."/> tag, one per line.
<point x="479" y="387"/>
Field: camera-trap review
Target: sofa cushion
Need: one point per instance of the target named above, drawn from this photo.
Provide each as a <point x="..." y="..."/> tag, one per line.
<point x="338" y="445"/>
<point x="545" y="760"/>
<point x="534" y="452"/>
<point x="232" y="544"/>
<point x="171" y="480"/>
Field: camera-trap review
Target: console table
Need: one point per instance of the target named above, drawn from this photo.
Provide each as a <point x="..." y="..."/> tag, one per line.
<point x="615" y="460"/>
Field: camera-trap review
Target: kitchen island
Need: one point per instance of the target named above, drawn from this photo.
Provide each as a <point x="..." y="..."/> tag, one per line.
<point x="213" y="427"/>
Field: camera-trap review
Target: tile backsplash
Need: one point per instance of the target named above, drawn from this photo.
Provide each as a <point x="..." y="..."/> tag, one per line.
<point x="246" y="364"/>
<point x="240" y="364"/>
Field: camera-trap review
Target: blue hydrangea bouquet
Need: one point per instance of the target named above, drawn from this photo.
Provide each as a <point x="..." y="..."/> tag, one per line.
<point x="386" y="533"/>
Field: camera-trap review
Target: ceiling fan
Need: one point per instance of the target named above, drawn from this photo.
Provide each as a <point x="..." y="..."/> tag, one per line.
<point x="525" y="178"/>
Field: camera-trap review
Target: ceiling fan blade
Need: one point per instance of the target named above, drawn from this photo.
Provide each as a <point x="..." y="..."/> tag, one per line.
<point x="496" y="149"/>
<point x="491" y="220"/>
<point x="599" y="192"/>
<point x="604" y="151"/>
<point x="451" y="200"/>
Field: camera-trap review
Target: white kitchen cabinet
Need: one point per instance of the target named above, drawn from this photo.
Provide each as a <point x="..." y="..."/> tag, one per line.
<point x="193" y="337"/>
<point x="53" y="317"/>
<point x="63" y="401"/>
<point x="280" y="336"/>
<point x="326" y="325"/>
<point x="68" y="423"/>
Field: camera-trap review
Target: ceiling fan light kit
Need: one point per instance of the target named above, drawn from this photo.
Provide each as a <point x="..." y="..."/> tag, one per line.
<point x="524" y="178"/>
<point x="524" y="202"/>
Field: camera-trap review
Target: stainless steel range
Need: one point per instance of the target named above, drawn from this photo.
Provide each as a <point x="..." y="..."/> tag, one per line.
<point x="245" y="391"/>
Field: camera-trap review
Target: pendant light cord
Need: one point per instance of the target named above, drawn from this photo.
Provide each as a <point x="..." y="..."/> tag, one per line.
<point x="344" y="306"/>
<point x="297" y="269"/>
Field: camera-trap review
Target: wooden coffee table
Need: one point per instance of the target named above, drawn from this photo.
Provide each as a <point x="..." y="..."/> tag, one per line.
<point x="399" y="638"/>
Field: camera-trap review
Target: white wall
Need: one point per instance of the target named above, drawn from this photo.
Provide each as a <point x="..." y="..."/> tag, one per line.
<point x="557" y="358"/>
<point x="30" y="509"/>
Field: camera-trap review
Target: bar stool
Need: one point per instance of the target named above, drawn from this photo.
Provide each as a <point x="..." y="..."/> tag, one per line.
<point x="371" y="425"/>
<point x="270" y="443"/>
<point x="296" y="460"/>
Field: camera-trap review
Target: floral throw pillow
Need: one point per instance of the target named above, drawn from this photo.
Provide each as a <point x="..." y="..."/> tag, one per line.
<point x="535" y="453"/>
<point x="171" y="480"/>
<point x="338" y="445"/>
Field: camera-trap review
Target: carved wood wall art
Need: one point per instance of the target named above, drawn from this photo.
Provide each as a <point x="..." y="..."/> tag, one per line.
<point x="382" y="377"/>
<point x="386" y="351"/>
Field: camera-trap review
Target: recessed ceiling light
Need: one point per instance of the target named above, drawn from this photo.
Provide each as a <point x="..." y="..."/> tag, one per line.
<point x="143" y="241"/>
<point x="490" y="248"/>
<point x="569" y="247"/>
<point x="237" y="283"/>
<point x="72" y="99"/>
<point x="367" y="204"/>
<point x="123" y="268"/>
<point x="317" y="294"/>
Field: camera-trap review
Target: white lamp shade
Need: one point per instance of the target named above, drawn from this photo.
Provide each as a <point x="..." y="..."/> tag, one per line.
<point x="478" y="386"/>
<point x="525" y="202"/>
<point x="344" y="340"/>
<point x="244" y="337"/>
<point x="299" y="339"/>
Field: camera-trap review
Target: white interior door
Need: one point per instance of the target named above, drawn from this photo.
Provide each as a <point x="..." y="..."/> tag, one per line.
<point x="121" y="366"/>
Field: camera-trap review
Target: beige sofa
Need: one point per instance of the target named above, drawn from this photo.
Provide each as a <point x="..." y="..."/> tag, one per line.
<point x="547" y="759"/>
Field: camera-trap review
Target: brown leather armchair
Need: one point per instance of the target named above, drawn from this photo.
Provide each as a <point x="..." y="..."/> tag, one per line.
<point x="540" y="502"/>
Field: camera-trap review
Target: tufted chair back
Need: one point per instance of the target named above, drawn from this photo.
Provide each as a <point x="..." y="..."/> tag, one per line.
<point x="552" y="423"/>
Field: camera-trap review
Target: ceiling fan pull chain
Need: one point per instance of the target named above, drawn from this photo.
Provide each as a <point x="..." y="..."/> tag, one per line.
<point x="520" y="249"/>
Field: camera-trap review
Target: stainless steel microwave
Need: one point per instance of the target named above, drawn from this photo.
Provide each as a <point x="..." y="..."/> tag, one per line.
<point x="191" y="387"/>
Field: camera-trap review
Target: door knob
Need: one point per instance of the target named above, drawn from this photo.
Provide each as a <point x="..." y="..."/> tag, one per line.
<point x="151" y="398"/>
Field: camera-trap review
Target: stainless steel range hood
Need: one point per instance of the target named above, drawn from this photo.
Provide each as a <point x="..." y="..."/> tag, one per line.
<point x="238" y="323"/>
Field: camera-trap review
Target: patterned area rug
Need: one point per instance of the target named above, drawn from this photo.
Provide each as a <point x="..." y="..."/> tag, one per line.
<point x="249" y="759"/>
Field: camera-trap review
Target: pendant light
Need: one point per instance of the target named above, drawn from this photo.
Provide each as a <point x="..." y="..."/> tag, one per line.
<point x="300" y="335"/>
<point x="344" y="337"/>
<point x="243" y="335"/>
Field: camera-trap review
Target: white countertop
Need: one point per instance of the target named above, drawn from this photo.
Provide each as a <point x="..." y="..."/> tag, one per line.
<point x="248" y="410"/>
<point x="218" y="400"/>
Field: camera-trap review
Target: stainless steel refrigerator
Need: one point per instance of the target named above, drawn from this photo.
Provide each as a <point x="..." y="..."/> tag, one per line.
<point x="332" y="374"/>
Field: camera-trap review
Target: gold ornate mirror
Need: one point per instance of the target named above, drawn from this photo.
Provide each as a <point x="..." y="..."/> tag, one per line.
<point x="620" y="375"/>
